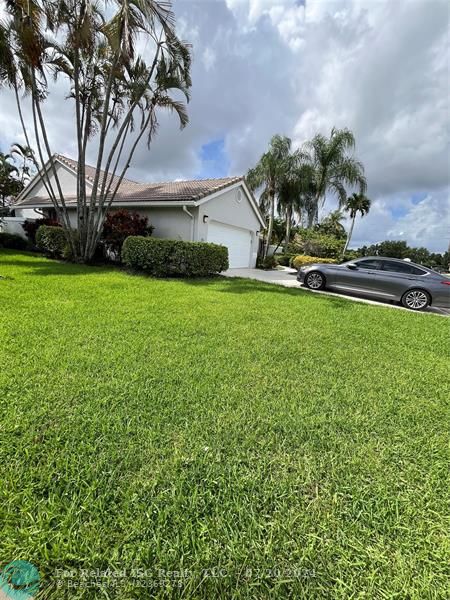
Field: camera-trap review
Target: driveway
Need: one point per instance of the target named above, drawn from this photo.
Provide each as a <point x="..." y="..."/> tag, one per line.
<point x="286" y="277"/>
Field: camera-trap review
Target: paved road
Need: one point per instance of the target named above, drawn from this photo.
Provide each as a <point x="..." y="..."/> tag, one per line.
<point x="286" y="277"/>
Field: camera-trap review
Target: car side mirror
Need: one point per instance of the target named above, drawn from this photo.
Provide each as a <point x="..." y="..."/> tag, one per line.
<point x="352" y="266"/>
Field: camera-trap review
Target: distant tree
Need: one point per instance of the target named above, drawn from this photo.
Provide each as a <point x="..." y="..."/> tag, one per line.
<point x="334" y="169"/>
<point x="393" y="249"/>
<point x="419" y="255"/>
<point x="356" y="203"/>
<point x="332" y="225"/>
<point x="25" y="156"/>
<point x="268" y="174"/>
<point x="10" y="182"/>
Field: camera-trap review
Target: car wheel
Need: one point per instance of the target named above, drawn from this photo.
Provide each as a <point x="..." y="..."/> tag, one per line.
<point x="416" y="299"/>
<point x="315" y="280"/>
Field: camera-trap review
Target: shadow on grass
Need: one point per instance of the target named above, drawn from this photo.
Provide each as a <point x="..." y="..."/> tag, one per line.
<point x="42" y="265"/>
<point x="241" y="285"/>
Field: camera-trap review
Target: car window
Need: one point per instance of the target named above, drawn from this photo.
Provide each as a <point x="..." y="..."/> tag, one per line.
<point x="368" y="264"/>
<point x="398" y="267"/>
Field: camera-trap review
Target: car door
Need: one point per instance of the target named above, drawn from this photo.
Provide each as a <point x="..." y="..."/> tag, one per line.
<point x="359" y="276"/>
<point x="396" y="277"/>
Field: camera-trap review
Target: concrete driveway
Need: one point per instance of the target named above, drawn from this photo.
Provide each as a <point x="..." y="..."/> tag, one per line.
<point x="286" y="277"/>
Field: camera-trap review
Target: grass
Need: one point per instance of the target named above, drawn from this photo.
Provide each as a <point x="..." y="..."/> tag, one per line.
<point x="258" y="441"/>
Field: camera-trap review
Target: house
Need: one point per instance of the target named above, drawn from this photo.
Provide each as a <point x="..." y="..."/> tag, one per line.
<point x="222" y="211"/>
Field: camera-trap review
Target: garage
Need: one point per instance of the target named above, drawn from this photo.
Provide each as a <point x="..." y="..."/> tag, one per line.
<point x="237" y="240"/>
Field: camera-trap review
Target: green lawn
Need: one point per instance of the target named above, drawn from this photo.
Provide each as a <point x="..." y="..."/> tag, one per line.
<point x="268" y="442"/>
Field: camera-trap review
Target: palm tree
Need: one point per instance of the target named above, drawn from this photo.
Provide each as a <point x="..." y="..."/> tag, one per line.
<point x="10" y="184"/>
<point x="268" y="173"/>
<point x="25" y="155"/>
<point x="92" y="46"/>
<point x="334" y="168"/>
<point x="293" y="191"/>
<point x="332" y="224"/>
<point x="356" y="203"/>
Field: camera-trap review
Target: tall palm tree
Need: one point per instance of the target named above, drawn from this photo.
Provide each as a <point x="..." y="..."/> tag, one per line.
<point x="293" y="190"/>
<point x="356" y="203"/>
<point x="268" y="173"/>
<point x="334" y="167"/>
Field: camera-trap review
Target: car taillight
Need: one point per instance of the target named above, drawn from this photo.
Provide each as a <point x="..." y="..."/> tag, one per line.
<point x="446" y="282"/>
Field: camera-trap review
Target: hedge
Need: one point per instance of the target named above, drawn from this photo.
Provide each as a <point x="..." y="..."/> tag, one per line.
<point x="53" y="241"/>
<point x="302" y="259"/>
<point x="173" y="258"/>
<point x="31" y="226"/>
<point x="12" y="241"/>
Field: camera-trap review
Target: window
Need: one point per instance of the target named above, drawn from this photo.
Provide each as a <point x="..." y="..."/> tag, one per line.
<point x="368" y="264"/>
<point x="399" y="267"/>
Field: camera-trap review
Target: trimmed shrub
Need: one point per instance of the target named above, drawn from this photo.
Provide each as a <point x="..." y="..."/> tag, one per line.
<point x="53" y="241"/>
<point x="267" y="263"/>
<point x="173" y="258"/>
<point x="301" y="260"/>
<point x="12" y="241"/>
<point x="119" y="225"/>
<point x="30" y="227"/>
<point x="284" y="259"/>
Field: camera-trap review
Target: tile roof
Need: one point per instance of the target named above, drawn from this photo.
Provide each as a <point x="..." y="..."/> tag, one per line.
<point x="132" y="191"/>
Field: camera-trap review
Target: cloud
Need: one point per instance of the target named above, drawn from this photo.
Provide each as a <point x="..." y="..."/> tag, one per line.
<point x="298" y="67"/>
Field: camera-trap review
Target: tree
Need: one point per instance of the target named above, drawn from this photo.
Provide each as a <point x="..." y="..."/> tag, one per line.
<point x="119" y="224"/>
<point x="334" y="169"/>
<point x="356" y="203"/>
<point x="332" y="225"/>
<point x="91" y="46"/>
<point x="293" y="190"/>
<point x="268" y="174"/>
<point x="26" y="157"/>
<point x="10" y="183"/>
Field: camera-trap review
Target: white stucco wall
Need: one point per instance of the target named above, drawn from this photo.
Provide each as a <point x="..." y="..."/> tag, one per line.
<point x="66" y="177"/>
<point x="13" y="225"/>
<point x="170" y="223"/>
<point x="28" y="213"/>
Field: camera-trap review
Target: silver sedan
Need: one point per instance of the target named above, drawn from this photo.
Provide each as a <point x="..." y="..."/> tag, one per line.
<point x="415" y="286"/>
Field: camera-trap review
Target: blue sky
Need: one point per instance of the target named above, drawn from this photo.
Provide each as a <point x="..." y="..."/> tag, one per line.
<point x="214" y="159"/>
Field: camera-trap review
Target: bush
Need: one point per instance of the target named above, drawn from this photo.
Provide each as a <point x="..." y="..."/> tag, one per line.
<point x="31" y="227"/>
<point x="12" y="241"/>
<point x="53" y="241"/>
<point x="301" y="260"/>
<point x="119" y="225"/>
<point x="173" y="258"/>
<point x="314" y="243"/>
<point x="284" y="259"/>
<point x="267" y="263"/>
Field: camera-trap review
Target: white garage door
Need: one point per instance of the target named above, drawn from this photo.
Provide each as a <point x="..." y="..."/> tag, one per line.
<point x="238" y="242"/>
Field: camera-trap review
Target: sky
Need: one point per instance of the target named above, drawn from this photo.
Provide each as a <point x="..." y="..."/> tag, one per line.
<point x="299" y="67"/>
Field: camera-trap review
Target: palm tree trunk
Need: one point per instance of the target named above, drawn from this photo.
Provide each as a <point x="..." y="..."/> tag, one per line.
<point x="271" y="218"/>
<point x="349" y="236"/>
<point x="288" y="227"/>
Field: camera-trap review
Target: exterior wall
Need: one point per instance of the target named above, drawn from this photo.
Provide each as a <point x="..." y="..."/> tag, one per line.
<point x="230" y="208"/>
<point x="67" y="179"/>
<point x="171" y="223"/>
<point x="28" y="213"/>
<point x="13" y="225"/>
